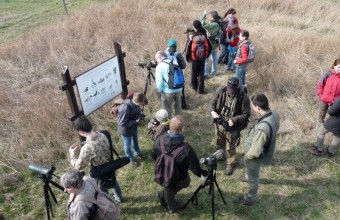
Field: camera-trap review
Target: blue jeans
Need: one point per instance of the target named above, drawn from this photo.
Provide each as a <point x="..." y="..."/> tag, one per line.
<point x="240" y="72"/>
<point x="131" y="141"/>
<point x="231" y="59"/>
<point x="223" y="57"/>
<point x="214" y="63"/>
<point x="117" y="192"/>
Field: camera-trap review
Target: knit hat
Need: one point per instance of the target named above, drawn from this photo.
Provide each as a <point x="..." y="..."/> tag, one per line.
<point x="161" y="115"/>
<point x="172" y="43"/>
<point x="197" y="24"/>
<point x="232" y="85"/>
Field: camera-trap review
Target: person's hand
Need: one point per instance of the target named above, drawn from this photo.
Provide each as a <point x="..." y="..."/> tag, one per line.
<point x="230" y="122"/>
<point x="214" y="114"/>
<point x="205" y="12"/>
<point x="72" y="149"/>
<point x="234" y="61"/>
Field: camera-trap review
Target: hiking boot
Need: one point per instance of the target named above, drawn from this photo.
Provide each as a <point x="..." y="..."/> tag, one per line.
<point x="242" y="179"/>
<point x="229" y="170"/>
<point x="329" y="154"/>
<point x="162" y="200"/>
<point x="135" y="164"/>
<point x="241" y="201"/>
<point x="141" y="156"/>
<point x="315" y="151"/>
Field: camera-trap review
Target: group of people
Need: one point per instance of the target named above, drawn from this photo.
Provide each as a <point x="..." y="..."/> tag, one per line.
<point x="230" y="109"/>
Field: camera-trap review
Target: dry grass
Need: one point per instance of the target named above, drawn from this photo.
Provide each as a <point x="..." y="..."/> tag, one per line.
<point x="296" y="41"/>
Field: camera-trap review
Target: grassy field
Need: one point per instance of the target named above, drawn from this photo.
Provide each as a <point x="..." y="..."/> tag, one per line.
<point x="296" y="42"/>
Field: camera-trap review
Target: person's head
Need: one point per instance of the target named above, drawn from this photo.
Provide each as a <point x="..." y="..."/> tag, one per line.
<point x="260" y="102"/>
<point x="233" y="86"/>
<point x="177" y="124"/>
<point x="230" y="13"/>
<point x="82" y="124"/>
<point x="197" y="25"/>
<point x="72" y="180"/>
<point x="336" y="65"/>
<point x="214" y="16"/>
<point x="162" y="115"/>
<point x="234" y="28"/>
<point x="244" y="35"/>
<point x="172" y="43"/>
<point x="139" y="99"/>
<point x="160" y="56"/>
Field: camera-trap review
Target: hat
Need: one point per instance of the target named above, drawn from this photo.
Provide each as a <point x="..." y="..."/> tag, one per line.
<point x="140" y="99"/>
<point x="172" y="43"/>
<point x="232" y="85"/>
<point x="197" y="24"/>
<point x="161" y="115"/>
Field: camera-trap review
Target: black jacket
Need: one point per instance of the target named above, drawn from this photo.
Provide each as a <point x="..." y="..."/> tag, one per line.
<point x="186" y="160"/>
<point x="128" y="113"/>
<point x="332" y="124"/>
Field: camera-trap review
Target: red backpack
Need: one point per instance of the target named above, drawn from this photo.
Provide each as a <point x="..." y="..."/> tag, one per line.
<point x="199" y="48"/>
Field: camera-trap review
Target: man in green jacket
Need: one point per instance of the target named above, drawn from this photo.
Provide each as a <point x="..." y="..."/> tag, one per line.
<point x="259" y="146"/>
<point x="212" y="27"/>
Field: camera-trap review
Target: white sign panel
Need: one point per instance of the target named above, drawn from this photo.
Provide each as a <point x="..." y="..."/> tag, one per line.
<point x="99" y="85"/>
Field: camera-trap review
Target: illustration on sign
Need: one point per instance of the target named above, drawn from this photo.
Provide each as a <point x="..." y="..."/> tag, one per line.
<point x="99" y="85"/>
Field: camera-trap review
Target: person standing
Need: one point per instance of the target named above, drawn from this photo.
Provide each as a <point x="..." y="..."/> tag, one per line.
<point x="168" y="96"/>
<point x="332" y="124"/>
<point x="197" y="51"/>
<point x="241" y="58"/>
<point x="185" y="160"/>
<point x="95" y="151"/>
<point x="230" y="109"/>
<point x="259" y="146"/>
<point x="129" y="116"/>
<point x="232" y="46"/>
<point x="212" y="28"/>
<point x="328" y="89"/>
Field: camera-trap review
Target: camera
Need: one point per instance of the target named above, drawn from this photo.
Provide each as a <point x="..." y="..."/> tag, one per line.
<point x="234" y="132"/>
<point x="41" y="170"/>
<point x="154" y="122"/>
<point x="141" y="116"/>
<point x="147" y="64"/>
<point x="212" y="159"/>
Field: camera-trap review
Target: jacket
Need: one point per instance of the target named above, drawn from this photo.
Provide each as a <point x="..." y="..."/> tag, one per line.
<point x="128" y="113"/>
<point x="329" y="87"/>
<point x="261" y="140"/>
<point x="162" y="77"/>
<point x="240" y="114"/>
<point x="332" y="124"/>
<point x="212" y="28"/>
<point x="242" y="53"/>
<point x="186" y="160"/>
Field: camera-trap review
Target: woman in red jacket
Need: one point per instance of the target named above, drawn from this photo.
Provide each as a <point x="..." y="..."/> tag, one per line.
<point x="241" y="58"/>
<point x="328" y="89"/>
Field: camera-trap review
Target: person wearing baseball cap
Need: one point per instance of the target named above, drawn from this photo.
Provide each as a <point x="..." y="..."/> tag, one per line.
<point x="230" y="107"/>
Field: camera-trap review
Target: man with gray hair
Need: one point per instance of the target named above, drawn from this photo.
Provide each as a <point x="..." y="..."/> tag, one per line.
<point x="162" y="77"/>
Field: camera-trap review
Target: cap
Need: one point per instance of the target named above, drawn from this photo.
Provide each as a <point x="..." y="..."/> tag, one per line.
<point x="172" y="43"/>
<point x="232" y="85"/>
<point x="161" y="115"/>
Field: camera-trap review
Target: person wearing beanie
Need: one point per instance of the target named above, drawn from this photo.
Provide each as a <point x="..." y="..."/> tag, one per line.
<point x="129" y="116"/>
<point x="212" y="27"/>
<point x="158" y="125"/>
<point x="177" y="57"/>
<point x="197" y="41"/>
<point x="230" y="110"/>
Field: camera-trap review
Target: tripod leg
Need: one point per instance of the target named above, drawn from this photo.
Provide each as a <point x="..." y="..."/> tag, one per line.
<point x="47" y="200"/>
<point x="212" y="196"/>
<point x="193" y="198"/>
<point x="220" y="191"/>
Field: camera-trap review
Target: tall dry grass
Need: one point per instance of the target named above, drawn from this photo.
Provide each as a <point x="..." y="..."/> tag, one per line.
<point x="296" y="42"/>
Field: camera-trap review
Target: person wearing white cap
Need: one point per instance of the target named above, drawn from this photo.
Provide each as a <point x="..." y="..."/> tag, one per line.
<point x="158" y="125"/>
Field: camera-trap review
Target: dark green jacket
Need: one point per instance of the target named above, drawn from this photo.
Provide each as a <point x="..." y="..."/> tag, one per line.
<point x="212" y="28"/>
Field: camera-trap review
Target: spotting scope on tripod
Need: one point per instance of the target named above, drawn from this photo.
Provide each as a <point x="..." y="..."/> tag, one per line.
<point x="210" y="180"/>
<point x="45" y="175"/>
<point x="148" y="65"/>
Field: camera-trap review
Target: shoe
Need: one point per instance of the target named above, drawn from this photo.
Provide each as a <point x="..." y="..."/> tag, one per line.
<point x="202" y="93"/>
<point x="161" y="200"/>
<point x="135" y="164"/>
<point x="141" y="156"/>
<point x="329" y="154"/>
<point x="241" y="201"/>
<point x="242" y="179"/>
<point x="171" y="211"/>
<point x="229" y="170"/>
<point x="315" y="151"/>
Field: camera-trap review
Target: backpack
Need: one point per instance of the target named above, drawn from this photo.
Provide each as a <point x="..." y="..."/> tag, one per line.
<point x="115" y="107"/>
<point x="103" y="208"/>
<point x="221" y="36"/>
<point x="166" y="170"/>
<point x="199" y="50"/>
<point x="251" y="53"/>
<point x="176" y="77"/>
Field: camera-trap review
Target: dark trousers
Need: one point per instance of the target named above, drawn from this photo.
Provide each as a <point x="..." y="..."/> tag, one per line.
<point x="197" y="76"/>
<point x="169" y="193"/>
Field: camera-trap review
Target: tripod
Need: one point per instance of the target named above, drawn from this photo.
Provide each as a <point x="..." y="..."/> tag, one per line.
<point x="46" y="179"/>
<point x="210" y="180"/>
<point x="149" y="77"/>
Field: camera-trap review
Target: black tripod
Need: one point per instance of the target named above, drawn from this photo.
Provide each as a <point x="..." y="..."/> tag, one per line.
<point x="149" y="77"/>
<point x="210" y="180"/>
<point x="46" y="179"/>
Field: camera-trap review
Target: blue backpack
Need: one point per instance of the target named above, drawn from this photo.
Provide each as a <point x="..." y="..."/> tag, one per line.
<point x="176" y="77"/>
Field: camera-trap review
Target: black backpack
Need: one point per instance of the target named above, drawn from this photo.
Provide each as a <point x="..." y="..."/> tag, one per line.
<point x="166" y="170"/>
